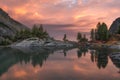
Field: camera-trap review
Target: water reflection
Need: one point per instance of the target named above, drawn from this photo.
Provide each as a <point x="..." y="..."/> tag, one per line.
<point x="115" y="57"/>
<point x="82" y="51"/>
<point x="9" y="57"/>
<point x="100" y="57"/>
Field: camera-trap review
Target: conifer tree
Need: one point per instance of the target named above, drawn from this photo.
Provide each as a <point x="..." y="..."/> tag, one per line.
<point x="79" y="37"/>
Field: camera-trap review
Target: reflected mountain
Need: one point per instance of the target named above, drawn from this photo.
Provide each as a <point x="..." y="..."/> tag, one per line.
<point x="35" y="56"/>
<point x="7" y="59"/>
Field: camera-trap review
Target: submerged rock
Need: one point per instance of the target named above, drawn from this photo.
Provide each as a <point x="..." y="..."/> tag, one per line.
<point x="28" y="42"/>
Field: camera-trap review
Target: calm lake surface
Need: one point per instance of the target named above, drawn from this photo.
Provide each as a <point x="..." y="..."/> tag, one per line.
<point x="66" y="64"/>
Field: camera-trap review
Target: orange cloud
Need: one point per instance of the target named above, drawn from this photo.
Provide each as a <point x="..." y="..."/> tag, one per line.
<point x="20" y="11"/>
<point x="19" y="74"/>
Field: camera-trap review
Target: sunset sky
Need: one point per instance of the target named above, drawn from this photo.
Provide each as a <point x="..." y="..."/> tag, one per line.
<point x="63" y="16"/>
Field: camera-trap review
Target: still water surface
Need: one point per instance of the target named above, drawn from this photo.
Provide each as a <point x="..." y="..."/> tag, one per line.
<point x="67" y="64"/>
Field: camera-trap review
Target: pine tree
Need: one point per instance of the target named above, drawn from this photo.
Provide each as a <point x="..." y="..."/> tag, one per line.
<point x="102" y="32"/>
<point x="92" y="34"/>
<point x="84" y="39"/>
<point x="39" y="32"/>
<point x="35" y="31"/>
<point x="79" y="37"/>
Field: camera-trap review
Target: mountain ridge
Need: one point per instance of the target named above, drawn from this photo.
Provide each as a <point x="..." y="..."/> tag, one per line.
<point x="9" y="26"/>
<point x="114" y="26"/>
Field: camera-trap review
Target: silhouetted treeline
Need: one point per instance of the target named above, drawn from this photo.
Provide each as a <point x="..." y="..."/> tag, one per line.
<point x="100" y="32"/>
<point x="36" y="31"/>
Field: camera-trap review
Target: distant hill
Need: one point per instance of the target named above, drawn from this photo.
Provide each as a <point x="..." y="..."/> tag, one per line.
<point x="9" y="26"/>
<point x="115" y="26"/>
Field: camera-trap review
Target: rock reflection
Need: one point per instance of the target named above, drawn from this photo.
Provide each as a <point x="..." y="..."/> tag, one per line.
<point x="115" y="57"/>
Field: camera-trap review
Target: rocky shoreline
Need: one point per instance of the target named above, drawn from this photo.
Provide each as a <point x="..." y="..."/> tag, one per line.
<point x="44" y="43"/>
<point x="112" y="46"/>
<point x="52" y="44"/>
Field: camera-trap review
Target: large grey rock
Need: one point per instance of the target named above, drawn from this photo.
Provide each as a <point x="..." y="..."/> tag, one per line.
<point x="115" y="26"/>
<point x="46" y="43"/>
<point x="9" y="26"/>
<point x="28" y="43"/>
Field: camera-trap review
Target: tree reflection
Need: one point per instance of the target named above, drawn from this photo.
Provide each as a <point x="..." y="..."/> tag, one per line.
<point x="100" y="56"/>
<point x="93" y="56"/>
<point x="82" y="51"/>
<point x="102" y="59"/>
<point x="35" y="58"/>
<point x="79" y="53"/>
<point x="65" y="50"/>
<point x="65" y="53"/>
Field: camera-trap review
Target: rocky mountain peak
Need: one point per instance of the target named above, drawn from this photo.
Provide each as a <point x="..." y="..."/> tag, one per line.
<point x="118" y="19"/>
<point x="115" y="26"/>
<point x="3" y="13"/>
<point x="8" y="26"/>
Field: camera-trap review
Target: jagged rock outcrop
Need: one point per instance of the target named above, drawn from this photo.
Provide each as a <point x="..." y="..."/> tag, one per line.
<point x="9" y="26"/>
<point x="115" y="26"/>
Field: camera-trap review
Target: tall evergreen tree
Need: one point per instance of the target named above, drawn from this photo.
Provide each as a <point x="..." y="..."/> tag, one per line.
<point x="35" y="31"/>
<point x="96" y="34"/>
<point x="79" y="37"/>
<point x="84" y="39"/>
<point x="102" y="32"/>
<point x="39" y="32"/>
<point x="92" y="34"/>
<point x="98" y="31"/>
